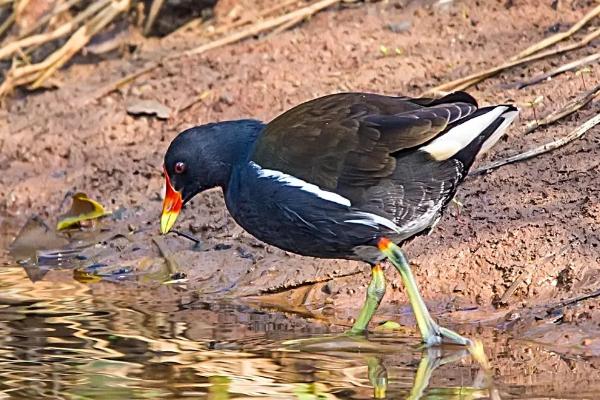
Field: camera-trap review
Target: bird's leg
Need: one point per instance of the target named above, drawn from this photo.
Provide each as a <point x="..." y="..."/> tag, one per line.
<point x="431" y="359"/>
<point x="375" y="293"/>
<point x="377" y="376"/>
<point x="431" y="333"/>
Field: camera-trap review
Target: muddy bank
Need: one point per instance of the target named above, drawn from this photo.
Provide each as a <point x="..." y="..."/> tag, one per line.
<point x="537" y="220"/>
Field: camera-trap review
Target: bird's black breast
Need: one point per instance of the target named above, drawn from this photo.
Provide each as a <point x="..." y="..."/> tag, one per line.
<point x="284" y="215"/>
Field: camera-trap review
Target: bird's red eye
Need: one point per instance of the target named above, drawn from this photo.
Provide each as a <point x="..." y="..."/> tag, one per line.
<point x="179" y="168"/>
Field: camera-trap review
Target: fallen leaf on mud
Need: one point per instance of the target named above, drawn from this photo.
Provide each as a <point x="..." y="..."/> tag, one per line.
<point x="85" y="277"/>
<point x="82" y="209"/>
<point x="148" y="107"/>
<point x="33" y="237"/>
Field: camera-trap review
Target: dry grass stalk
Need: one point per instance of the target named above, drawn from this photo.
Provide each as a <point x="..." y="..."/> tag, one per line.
<point x="563" y="68"/>
<point x="263" y="26"/>
<point x="7" y="23"/>
<point x="246" y="20"/>
<point x="565" y="111"/>
<point x="463" y="83"/>
<point x="36" y="74"/>
<point x="154" y="10"/>
<point x="545" y="148"/>
<point x="61" y="31"/>
<point x="60" y="8"/>
<point x="549" y="41"/>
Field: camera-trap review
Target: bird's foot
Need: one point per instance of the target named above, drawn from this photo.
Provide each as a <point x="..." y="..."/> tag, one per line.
<point x="437" y="335"/>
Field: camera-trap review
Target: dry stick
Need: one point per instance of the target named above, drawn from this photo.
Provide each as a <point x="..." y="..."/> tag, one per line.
<point x="288" y="25"/>
<point x="37" y="73"/>
<point x="568" y="109"/>
<point x="62" y="30"/>
<point x="463" y="83"/>
<point x="154" y="10"/>
<point x="250" y="31"/>
<point x="59" y="9"/>
<point x="7" y="23"/>
<point x="244" y="21"/>
<point x="575" y="134"/>
<point x="82" y="36"/>
<point x="198" y="98"/>
<point x="574" y="300"/>
<point x="262" y="26"/>
<point x="563" y="68"/>
<point x="123" y="81"/>
<point x="549" y="41"/>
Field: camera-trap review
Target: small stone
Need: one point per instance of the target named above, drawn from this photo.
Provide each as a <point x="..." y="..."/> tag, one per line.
<point x="459" y="287"/>
<point x="330" y="287"/>
<point x="400" y="26"/>
<point x="227" y="99"/>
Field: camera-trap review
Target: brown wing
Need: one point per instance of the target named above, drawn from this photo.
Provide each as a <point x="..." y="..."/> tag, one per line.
<point x="348" y="139"/>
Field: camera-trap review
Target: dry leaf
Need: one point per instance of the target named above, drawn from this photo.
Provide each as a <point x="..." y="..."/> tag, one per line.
<point x="82" y="209"/>
<point x="148" y="107"/>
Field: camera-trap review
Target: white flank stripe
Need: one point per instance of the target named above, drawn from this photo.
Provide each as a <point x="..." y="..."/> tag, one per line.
<point x="460" y="136"/>
<point x="373" y="220"/>
<point x="509" y="117"/>
<point x="292" y="181"/>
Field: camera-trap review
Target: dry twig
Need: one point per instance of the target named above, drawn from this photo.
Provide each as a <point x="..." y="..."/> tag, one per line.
<point x="568" y="109"/>
<point x="263" y="26"/>
<point x="61" y="7"/>
<point x="246" y="20"/>
<point x="563" y="68"/>
<point x="7" y="23"/>
<point x="463" y="83"/>
<point x="549" y="41"/>
<point x="154" y="10"/>
<point x="36" y="74"/>
<point x="575" y="134"/>
<point x="61" y="31"/>
<point x="111" y="87"/>
<point x="232" y="38"/>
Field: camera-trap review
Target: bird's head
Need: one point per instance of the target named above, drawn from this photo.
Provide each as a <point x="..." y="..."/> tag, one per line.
<point x="201" y="158"/>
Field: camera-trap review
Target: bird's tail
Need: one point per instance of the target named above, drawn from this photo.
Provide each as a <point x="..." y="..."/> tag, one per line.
<point x="469" y="137"/>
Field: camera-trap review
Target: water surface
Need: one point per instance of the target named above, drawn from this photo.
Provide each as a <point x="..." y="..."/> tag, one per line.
<point x="63" y="339"/>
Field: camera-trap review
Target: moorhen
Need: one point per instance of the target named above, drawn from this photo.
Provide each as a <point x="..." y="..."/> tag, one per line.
<point x="348" y="175"/>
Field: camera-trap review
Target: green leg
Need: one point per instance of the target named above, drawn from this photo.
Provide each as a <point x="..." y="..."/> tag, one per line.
<point x="375" y="293"/>
<point x="378" y="377"/>
<point x="430" y="360"/>
<point x="431" y="333"/>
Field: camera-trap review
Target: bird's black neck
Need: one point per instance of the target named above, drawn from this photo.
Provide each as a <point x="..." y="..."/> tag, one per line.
<point x="233" y="146"/>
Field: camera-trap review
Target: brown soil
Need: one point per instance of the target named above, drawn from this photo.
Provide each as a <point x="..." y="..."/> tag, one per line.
<point x="540" y="217"/>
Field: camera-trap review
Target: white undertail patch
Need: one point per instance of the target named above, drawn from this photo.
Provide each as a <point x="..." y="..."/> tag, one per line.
<point x="461" y="135"/>
<point x="292" y="181"/>
<point x="508" y="117"/>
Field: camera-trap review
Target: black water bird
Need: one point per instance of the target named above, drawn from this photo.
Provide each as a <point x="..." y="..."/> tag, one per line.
<point x="349" y="175"/>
